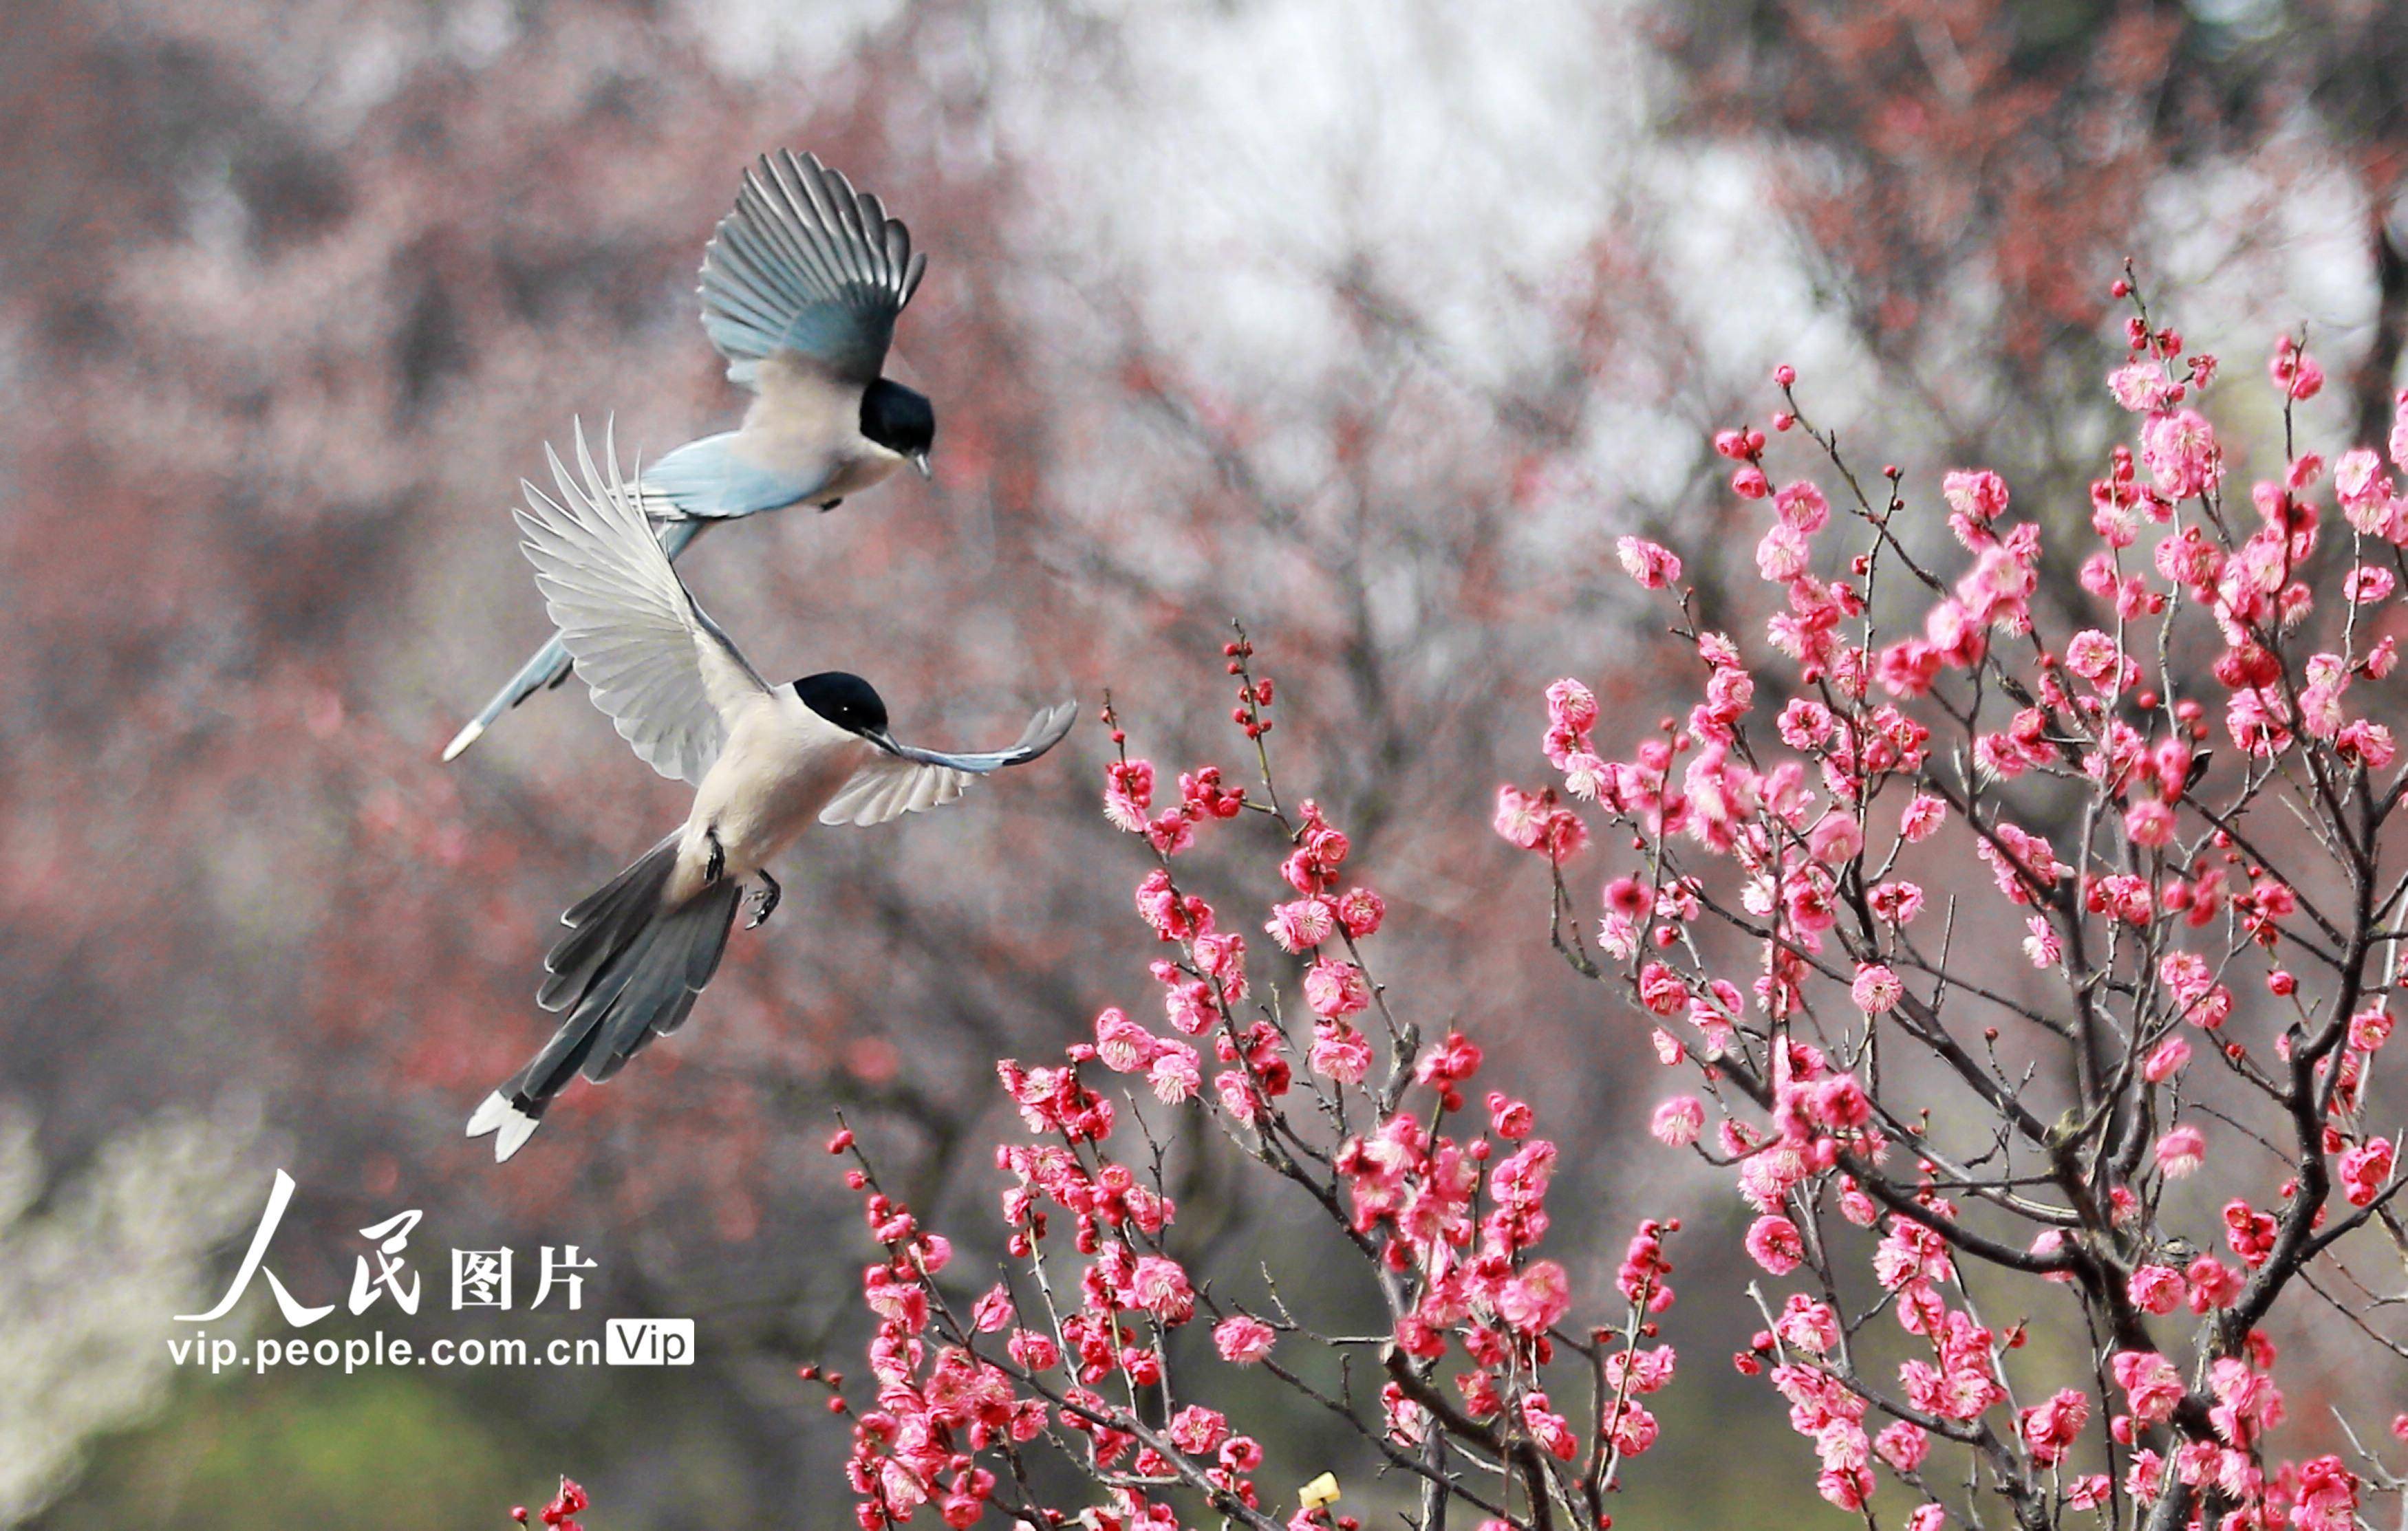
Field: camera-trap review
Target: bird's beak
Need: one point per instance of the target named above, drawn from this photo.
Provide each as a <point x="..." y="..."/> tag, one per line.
<point x="884" y="740"/>
<point x="920" y="461"/>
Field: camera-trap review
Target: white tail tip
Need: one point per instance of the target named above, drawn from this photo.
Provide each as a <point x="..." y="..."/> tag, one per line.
<point x="461" y="741"/>
<point x="510" y="1126"/>
<point x="489" y="1114"/>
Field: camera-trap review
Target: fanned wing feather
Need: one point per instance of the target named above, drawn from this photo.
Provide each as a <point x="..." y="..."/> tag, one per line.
<point x="890" y="787"/>
<point x="806" y="263"/>
<point x="909" y="780"/>
<point x="658" y="666"/>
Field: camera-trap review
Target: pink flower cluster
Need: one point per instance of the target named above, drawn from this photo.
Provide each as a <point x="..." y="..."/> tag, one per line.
<point x="562" y="1512"/>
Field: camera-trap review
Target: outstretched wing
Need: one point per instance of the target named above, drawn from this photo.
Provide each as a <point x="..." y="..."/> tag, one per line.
<point x="661" y="669"/>
<point x="808" y="265"/>
<point x="904" y="780"/>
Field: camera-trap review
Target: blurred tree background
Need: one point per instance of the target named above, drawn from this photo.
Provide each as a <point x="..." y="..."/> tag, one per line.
<point x="1373" y="321"/>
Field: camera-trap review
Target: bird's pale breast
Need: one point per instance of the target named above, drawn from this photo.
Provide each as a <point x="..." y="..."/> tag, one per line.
<point x="806" y="425"/>
<point x="782" y="764"/>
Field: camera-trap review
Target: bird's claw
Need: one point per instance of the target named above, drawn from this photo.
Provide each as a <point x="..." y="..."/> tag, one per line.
<point x="764" y="901"/>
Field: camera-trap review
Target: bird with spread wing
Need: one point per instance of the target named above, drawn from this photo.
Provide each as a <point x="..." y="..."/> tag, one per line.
<point x="765" y="762"/>
<point x="801" y="286"/>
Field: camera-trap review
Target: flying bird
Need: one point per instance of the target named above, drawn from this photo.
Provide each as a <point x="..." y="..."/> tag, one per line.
<point x="765" y="762"/>
<point x="801" y="285"/>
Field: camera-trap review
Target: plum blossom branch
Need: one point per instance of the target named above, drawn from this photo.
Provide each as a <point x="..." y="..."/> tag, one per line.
<point x="1439" y="1203"/>
<point x="1766" y="933"/>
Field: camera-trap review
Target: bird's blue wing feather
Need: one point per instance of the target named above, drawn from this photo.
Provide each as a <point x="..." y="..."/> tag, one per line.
<point x="710" y="480"/>
<point x="805" y="265"/>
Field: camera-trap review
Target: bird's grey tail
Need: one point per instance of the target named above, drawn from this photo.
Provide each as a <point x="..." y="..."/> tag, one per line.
<point x="629" y="970"/>
<point x="550" y="665"/>
<point x="548" y="668"/>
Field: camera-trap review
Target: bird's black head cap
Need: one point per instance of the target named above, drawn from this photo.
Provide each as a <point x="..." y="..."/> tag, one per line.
<point x="845" y="700"/>
<point x="898" y="419"/>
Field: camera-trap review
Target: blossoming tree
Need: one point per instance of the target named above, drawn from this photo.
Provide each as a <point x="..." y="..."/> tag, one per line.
<point x="1865" y="1063"/>
<point x="1928" y="1127"/>
<point x="1360" y="1113"/>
